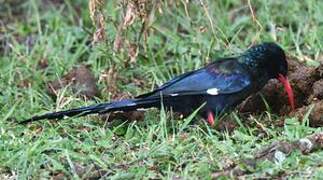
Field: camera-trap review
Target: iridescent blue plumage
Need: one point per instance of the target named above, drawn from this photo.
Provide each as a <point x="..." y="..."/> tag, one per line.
<point x="221" y="85"/>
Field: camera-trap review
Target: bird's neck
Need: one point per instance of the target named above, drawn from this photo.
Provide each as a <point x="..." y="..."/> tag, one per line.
<point x="251" y="61"/>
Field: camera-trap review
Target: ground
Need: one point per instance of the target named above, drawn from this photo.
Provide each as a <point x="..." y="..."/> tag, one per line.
<point x="42" y="41"/>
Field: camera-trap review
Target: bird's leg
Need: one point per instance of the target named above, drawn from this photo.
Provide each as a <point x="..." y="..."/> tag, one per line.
<point x="210" y="118"/>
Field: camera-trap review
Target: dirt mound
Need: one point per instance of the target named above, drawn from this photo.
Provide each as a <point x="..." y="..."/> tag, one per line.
<point x="307" y="84"/>
<point x="80" y="79"/>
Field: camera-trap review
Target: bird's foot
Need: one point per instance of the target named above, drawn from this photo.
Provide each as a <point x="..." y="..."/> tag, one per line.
<point x="210" y="118"/>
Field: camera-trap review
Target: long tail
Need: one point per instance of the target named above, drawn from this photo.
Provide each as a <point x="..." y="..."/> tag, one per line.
<point x="123" y="105"/>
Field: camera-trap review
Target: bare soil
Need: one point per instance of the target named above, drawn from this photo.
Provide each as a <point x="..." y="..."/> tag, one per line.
<point x="307" y="84"/>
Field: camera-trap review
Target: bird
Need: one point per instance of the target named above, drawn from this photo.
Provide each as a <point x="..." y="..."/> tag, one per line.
<point x="215" y="88"/>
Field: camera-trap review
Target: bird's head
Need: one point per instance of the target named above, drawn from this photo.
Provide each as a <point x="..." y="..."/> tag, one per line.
<point x="269" y="59"/>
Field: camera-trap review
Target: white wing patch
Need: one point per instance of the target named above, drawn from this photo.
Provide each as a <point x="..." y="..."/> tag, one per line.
<point x="213" y="91"/>
<point x="175" y="94"/>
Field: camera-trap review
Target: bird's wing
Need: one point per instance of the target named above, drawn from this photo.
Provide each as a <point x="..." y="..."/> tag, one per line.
<point x="221" y="77"/>
<point x="167" y="84"/>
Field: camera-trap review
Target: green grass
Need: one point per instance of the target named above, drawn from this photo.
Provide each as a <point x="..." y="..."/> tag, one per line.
<point x="160" y="146"/>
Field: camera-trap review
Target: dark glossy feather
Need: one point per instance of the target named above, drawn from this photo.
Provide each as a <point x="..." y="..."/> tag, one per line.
<point x="220" y="85"/>
<point x="184" y="93"/>
<point x="226" y="75"/>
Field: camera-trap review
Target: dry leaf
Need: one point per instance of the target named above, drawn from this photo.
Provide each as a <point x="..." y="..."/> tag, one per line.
<point x="130" y="15"/>
<point x="97" y="17"/>
<point x="95" y="6"/>
<point x="118" y="41"/>
<point x="99" y="35"/>
<point x="132" y="52"/>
